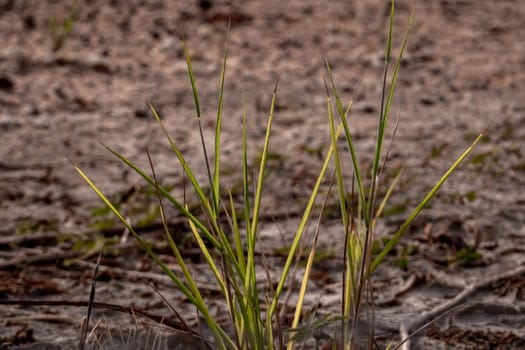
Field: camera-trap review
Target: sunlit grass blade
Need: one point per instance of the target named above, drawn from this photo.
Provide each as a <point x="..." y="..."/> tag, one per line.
<point x="262" y="166"/>
<point x="379" y="258"/>
<point x="255" y="222"/>
<point x="382" y="115"/>
<point x="249" y="295"/>
<point x="195" y="221"/>
<point x="237" y="236"/>
<point x="269" y="334"/>
<point x="352" y="256"/>
<point x="388" y="193"/>
<point x="348" y="282"/>
<point x="383" y="119"/>
<point x="187" y="170"/>
<point x="385" y="105"/>
<point x="308" y="268"/>
<point x="192" y="293"/>
<point x="169" y="197"/>
<point x="208" y="258"/>
<point x="250" y="271"/>
<point x="192" y="76"/>
<point x="348" y="136"/>
<point x="219" y="335"/>
<point x="300" y="230"/>
<point x="213" y="213"/>
<point x="217" y="161"/>
<point x="337" y="161"/>
<point x="214" y="327"/>
<point x="245" y="175"/>
<point x="387" y="155"/>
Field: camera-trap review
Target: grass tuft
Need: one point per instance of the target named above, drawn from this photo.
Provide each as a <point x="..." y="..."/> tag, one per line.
<point x="229" y="250"/>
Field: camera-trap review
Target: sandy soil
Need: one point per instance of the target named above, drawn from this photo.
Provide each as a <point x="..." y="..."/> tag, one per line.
<point x="463" y="69"/>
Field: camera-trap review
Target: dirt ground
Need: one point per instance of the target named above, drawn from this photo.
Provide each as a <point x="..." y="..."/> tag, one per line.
<point x="464" y="69"/>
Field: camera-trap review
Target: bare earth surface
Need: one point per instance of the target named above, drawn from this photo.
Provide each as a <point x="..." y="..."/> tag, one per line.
<point x="464" y="68"/>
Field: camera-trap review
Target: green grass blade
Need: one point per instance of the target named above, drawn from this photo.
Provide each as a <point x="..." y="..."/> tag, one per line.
<point x="262" y="166"/>
<point x="269" y="334"/>
<point x="191" y="293"/>
<point x="337" y="161"/>
<point x="308" y="269"/>
<point x="390" y="30"/>
<point x="189" y="173"/>
<point x="382" y="122"/>
<point x="169" y="197"/>
<point x="250" y="280"/>
<point x="187" y="170"/>
<point x="349" y="141"/>
<point x="383" y="119"/>
<point x="213" y="214"/>
<point x="300" y="230"/>
<point x="247" y="298"/>
<point x="220" y="245"/>
<point x="214" y="328"/>
<point x="139" y="239"/>
<point x="217" y="161"/>
<point x="250" y="271"/>
<point x="237" y="237"/>
<point x="250" y="292"/>
<point x="192" y="77"/>
<point x="302" y="293"/>
<point x="349" y="278"/>
<point x="421" y="205"/>
<point x="207" y="256"/>
<point x="388" y="193"/>
<point x="245" y="175"/>
<point x="385" y="111"/>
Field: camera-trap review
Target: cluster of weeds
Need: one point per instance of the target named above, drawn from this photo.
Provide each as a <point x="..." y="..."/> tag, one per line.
<point x="230" y="249"/>
<point x="60" y="29"/>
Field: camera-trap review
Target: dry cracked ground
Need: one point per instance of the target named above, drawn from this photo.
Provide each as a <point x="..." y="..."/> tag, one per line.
<point x="64" y="93"/>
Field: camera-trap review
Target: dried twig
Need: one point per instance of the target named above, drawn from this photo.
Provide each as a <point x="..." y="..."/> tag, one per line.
<point x="429" y="317"/>
<point x="159" y="278"/>
<point x="132" y="310"/>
